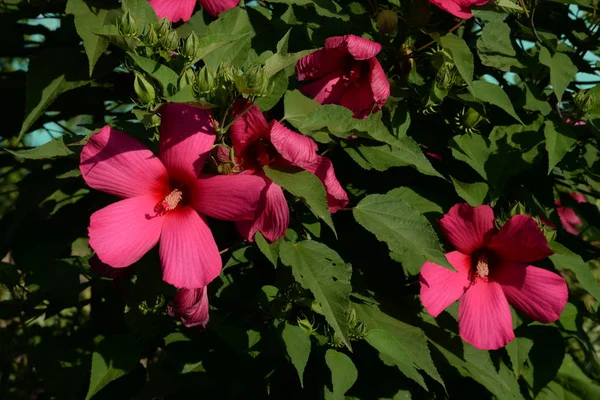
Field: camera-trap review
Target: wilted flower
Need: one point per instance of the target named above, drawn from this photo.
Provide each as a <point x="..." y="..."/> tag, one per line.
<point x="347" y="73"/>
<point x="492" y="270"/>
<point x="165" y="197"/>
<point x="459" y="8"/>
<point x="257" y="143"/>
<point x="175" y="10"/>
<point x="191" y="306"/>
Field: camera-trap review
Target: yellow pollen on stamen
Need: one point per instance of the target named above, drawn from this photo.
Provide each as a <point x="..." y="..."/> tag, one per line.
<point x="483" y="268"/>
<point x="172" y="199"/>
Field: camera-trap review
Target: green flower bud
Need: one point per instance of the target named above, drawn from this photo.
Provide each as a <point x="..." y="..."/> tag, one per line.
<point x="187" y="79"/>
<point x="549" y="233"/>
<point x="144" y="89"/>
<point x="445" y="76"/>
<point x="191" y="48"/>
<point x="306" y="326"/>
<point x="163" y="27"/>
<point x="387" y="22"/>
<point x="151" y="38"/>
<point x="205" y="82"/>
<point x="257" y="80"/>
<point x="518" y="209"/>
<point x="468" y="119"/>
<point x="170" y="41"/>
<point x="584" y="101"/>
<point x="226" y="74"/>
<point x="128" y="26"/>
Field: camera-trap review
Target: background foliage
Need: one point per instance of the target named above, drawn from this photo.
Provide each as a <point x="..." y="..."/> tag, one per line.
<point x="482" y="111"/>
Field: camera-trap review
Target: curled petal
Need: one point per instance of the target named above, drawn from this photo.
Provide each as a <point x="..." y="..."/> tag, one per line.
<point x="186" y="138"/>
<point x="294" y="147"/>
<point x="123" y="232"/>
<point x="468" y="228"/>
<point x="188" y="252"/>
<point x="380" y="86"/>
<point x="358" y="97"/>
<point x="536" y="292"/>
<point x="227" y="197"/>
<point x="460" y="9"/>
<point x="441" y="287"/>
<point x="216" y="7"/>
<point x="191" y="305"/>
<point x="116" y="163"/>
<point x="272" y="216"/>
<point x="484" y="318"/>
<point x="327" y="90"/>
<point x="323" y="169"/>
<point x="359" y="48"/>
<point x="251" y="126"/>
<point x="173" y="10"/>
<point x="321" y="63"/>
<point x="569" y="220"/>
<point x="520" y="240"/>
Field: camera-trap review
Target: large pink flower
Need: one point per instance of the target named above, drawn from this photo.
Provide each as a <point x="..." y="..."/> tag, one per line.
<point x="191" y="306"/>
<point x="257" y="143"/>
<point x="492" y="271"/>
<point x="165" y="197"/>
<point x="174" y="10"/>
<point x="459" y="8"/>
<point x="347" y="73"/>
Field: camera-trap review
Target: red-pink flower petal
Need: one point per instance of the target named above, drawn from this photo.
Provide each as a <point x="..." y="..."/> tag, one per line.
<point x="186" y="138"/>
<point x="328" y="90"/>
<point x="536" y="292"/>
<point x="273" y="216"/>
<point x="468" y="228"/>
<point x="441" y="287"/>
<point x="173" y="10"/>
<point x="359" y="48"/>
<point x="484" y="318"/>
<point x="336" y="195"/>
<point x="191" y="305"/>
<point x="216" y="7"/>
<point x="520" y="240"/>
<point x="188" y="252"/>
<point x="380" y="86"/>
<point x="117" y="164"/>
<point x="248" y="128"/>
<point x="123" y="232"/>
<point x="228" y="197"/>
<point x="321" y="63"/>
<point x="569" y="220"/>
<point x="294" y="147"/>
<point x="358" y="97"/>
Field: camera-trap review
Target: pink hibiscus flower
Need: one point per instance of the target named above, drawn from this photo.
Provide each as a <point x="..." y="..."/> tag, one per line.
<point x="347" y="73"/>
<point x="459" y="8"/>
<point x="174" y="10"/>
<point x="492" y="271"/>
<point x="568" y="217"/>
<point x="191" y="306"/>
<point x="257" y="143"/>
<point x="165" y="197"/>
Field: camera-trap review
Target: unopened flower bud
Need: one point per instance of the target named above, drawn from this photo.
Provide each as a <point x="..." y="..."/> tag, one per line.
<point x="584" y="101"/>
<point x="170" y="41"/>
<point x="468" y="119"/>
<point x="257" y="80"/>
<point x="306" y="326"/>
<point x="187" y="79"/>
<point x="128" y="26"/>
<point x="163" y="27"/>
<point x="151" y="38"/>
<point x="144" y="89"/>
<point x="191" y="48"/>
<point x="445" y="76"/>
<point x="191" y="306"/>
<point x="387" y="22"/>
<point x="518" y="209"/>
<point x="205" y="82"/>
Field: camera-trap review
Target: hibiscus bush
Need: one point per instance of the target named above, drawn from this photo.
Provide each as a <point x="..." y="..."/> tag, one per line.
<point x="300" y="199"/>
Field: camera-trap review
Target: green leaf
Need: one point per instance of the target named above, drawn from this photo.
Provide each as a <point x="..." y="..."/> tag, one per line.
<point x="216" y="41"/>
<point x="493" y="94"/>
<point x="297" y="107"/>
<point x="306" y="186"/>
<point x="473" y="193"/>
<point x="265" y="248"/>
<point x="51" y="73"/>
<point x="87" y="18"/>
<point x="52" y="149"/>
<point x="562" y="70"/>
<point x="412" y="339"/>
<point x="232" y="22"/>
<point x="166" y="77"/>
<point x="400" y="225"/>
<point x="392" y="350"/>
<point x="321" y="270"/>
<point x="114" y="357"/>
<point x="324" y="8"/>
<point x="141" y="10"/>
<point x="472" y="149"/>
<point x="343" y="374"/>
<point x="495" y="47"/>
<point x="563" y="258"/>
<point x="460" y="52"/>
<point x="419" y="202"/>
<point x="280" y="61"/>
<point x="279" y="84"/>
<point x="518" y="350"/>
<point x="560" y="140"/>
<point x="297" y="345"/>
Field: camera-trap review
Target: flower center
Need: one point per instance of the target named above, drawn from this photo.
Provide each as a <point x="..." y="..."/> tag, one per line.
<point x="482" y="268"/>
<point x="170" y="202"/>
